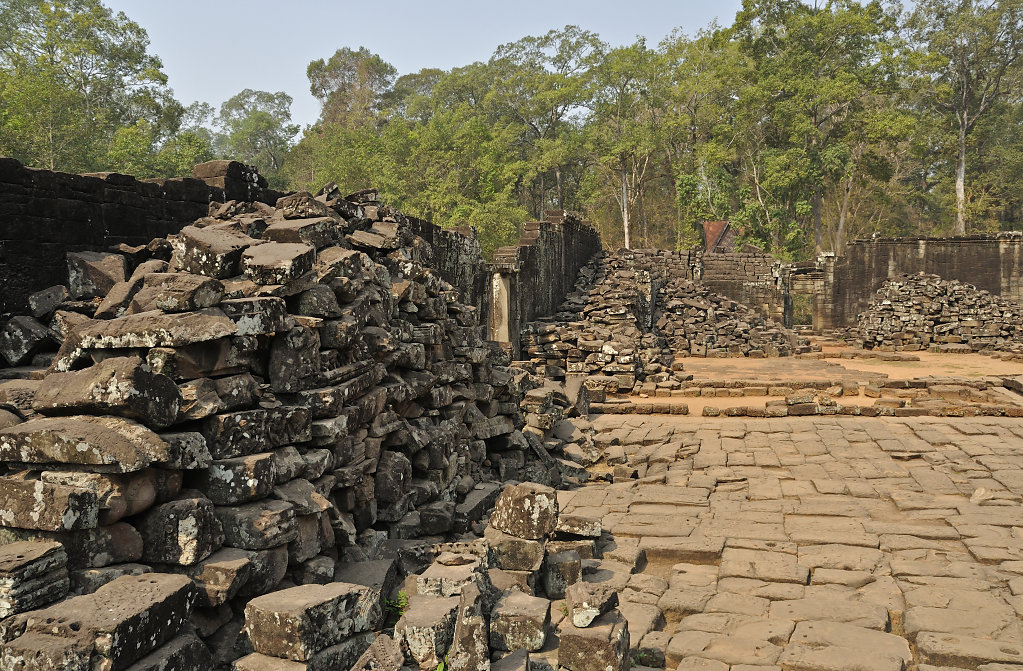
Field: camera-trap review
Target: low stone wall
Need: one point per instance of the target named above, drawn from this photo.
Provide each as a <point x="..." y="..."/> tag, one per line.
<point x="47" y="214"/>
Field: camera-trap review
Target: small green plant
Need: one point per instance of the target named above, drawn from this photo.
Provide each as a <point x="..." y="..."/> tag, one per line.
<point x="564" y="609"/>
<point x="397" y="607"/>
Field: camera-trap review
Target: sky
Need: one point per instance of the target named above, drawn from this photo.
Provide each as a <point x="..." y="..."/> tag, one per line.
<point x="213" y="49"/>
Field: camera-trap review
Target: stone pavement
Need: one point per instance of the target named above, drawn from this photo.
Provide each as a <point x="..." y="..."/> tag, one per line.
<point x="817" y="544"/>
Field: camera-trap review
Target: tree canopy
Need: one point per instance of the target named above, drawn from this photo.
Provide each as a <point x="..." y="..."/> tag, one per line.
<point x="804" y="123"/>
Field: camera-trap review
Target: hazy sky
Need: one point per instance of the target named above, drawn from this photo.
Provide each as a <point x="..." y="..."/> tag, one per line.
<point x="214" y="49"/>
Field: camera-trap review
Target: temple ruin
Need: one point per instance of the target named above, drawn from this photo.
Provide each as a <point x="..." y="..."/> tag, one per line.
<point x="251" y="430"/>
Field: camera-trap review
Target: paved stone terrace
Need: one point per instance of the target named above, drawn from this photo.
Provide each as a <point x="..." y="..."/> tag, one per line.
<point x="796" y="543"/>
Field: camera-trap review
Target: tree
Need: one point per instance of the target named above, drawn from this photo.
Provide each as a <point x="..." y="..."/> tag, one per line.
<point x="350" y="85"/>
<point x="73" y="74"/>
<point x="813" y="66"/>
<point x="968" y="54"/>
<point x="621" y="129"/>
<point x="255" y="128"/>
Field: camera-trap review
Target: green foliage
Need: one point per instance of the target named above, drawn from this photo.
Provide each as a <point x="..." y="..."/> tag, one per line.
<point x="397" y="607"/>
<point x="804" y="124"/>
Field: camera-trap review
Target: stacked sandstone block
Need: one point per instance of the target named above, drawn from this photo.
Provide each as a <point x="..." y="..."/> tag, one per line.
<point x="244" y="404"/>
<point x="633" y="312"/>
<point x="917" y="312"/>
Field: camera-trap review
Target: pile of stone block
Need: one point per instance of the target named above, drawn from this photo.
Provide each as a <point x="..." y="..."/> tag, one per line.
<point x="633" y="312"/>
<point x="921" y="312"/>
<point x="245" y="404"/>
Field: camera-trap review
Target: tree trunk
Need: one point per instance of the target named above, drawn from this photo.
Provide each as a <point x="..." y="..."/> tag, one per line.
<point x="625" y="208"/>
<point x="818" y="221"/>
<point x="839" y="243"/>
<point x="960" y="228"/>
<point x="561" y="189"/>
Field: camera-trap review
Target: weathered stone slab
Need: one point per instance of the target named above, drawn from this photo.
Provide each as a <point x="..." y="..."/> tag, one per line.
<point x="519" y="621"/>
<point x="34" y="504"/>
<point x="180" y="532"/>
<point x="258" y="526"/>
<point x="211" y="251"/>
<point x="107" y="443"/>
<point x="602" y="646"/>
<point x="526" y="511"/>
<point x="123" y="386"/>
<point x="278" y="262"/>
<point x="93" y="274"/>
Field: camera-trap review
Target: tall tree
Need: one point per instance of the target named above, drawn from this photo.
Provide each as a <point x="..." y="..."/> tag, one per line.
<point x="968" y="53"/>
<point x="255" y="127"/>
<point x="813" y="65"/>
<point x="73" y="73"/>
<point x="350" y="85"/>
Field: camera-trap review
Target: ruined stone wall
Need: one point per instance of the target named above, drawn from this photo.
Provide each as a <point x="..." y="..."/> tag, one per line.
<point x="455" y="255"/>
<point x="532" y="278"/>
<point x="988" y="262"/>
<point x="754" y="279"/>
<point x="44" y="215"/>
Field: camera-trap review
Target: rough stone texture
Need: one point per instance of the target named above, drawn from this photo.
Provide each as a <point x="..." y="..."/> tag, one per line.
<point x="123" y="386"/>
<point x="528" y="511"/>
<point x="299" y="622"/>
<point x="180" y="532"/>
<point x="519" y="621"/>
<point x="601" y="646"/>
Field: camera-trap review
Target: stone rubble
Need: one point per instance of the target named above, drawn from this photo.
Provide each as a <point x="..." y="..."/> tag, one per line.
<point x="925" y="312"/>
<point x="633" y="312"/>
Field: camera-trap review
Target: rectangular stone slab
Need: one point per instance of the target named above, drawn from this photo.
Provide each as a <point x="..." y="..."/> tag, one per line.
<point x="107" y="443"/>
<point x="299" y="622"/>
<point x="34" y="504"/>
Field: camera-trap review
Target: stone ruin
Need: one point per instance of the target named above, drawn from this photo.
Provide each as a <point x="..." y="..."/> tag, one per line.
<point x="922" y="311"/>
<point x="217" y="448"/>
<point x="635" y="312"/>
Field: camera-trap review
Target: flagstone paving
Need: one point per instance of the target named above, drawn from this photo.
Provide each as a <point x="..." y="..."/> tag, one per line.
<point x="817" y="544"/>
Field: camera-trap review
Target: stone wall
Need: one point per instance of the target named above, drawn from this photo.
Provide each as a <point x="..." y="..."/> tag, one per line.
<point x="44" y="215"/>
<point x="754" y="279"/>
<point x="993" y="263"/>
<point x="532" y="278"/>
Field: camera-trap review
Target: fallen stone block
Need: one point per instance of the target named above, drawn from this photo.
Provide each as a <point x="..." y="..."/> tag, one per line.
<point x="519" y="621"/>
<point x="559" y="571"/>
<point x="277" y="262"/>
<point x="105" y="443"/>
<point x="513" y="554"/>
<point x="21" y="338"/>
<point x="211" y="251"/>
<point x="258" y="526"/>
<point x="601" y="646"/>
<point x="176" y="292"/>
<point x="181" y="532"/>
<point x="92" y="274"/>
<point x="526" y="511"/>
<point x="32" y="574"/>
<point x="299" y="622"/>
<point x="237" y="480"/>
<point x="586" y="601"/>
<point x="34" y="504"/>
<point x="123" y="386"/>
<point x="185" y="652"/>
<point x="115" y="626"/>
<point x="470" y="650"/>
<point x="426" y="628"/>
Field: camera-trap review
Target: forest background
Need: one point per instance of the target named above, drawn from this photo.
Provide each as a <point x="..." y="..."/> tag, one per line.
<point x="804" y="124"/>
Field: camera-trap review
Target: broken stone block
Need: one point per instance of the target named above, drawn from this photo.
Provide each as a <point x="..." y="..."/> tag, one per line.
<point x="237" y="480"/>
<point x="393" y="476"/>
<point x="236" y="434"/>
<point x="426" y="628"/>
<point x="278" y="262"/>
<point x="449" y="575"/>
<point x="123" y="386"/>
<point x="436" y="518"/>
<point x="258" y="526"/>
<point x="34" y="504"/>
<point x="32" y="574"/>
<point x="299" y="622"/>
<point x="578" y="525"/>
<point x="340" y="656"/>
<point x="513" y="554"/>
<point x="118" y="496"/>
<point x="185" y="652"/>
<point x="92" y="274"/>
<point x="115" y="626"/>
<point x="43" y="303"/>
<point x="561" y="570"/>
<point x="294" y="359"/>
<point x="519" y="621"/>
<point x="21" y="338"/>
<point x="601" y="646"/>
<point x="107" y="443"/>
<point x="317" y="571"/>
<point x="257" y="316"/>
<point x="88" y="580"/>
<point x="187" y="449"/>
<point x="177" y="292"/>
<point x="513" y="661"/>
<point x="379" y="576"/>
<point x="586" y="601"/>
<point x="219" y="577"/>
<point x="318" y="232"/>
<point x="526" y="511"/>
<point x="211" y="251"/>
<point x="181" y="532"/>
<point x="383" y="655"/>
<point x="268" y="568"/>
<point x="469" y="649"/>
